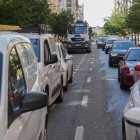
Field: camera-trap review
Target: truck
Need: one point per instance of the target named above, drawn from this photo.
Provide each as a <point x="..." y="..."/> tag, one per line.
<point x="79" y="37"/>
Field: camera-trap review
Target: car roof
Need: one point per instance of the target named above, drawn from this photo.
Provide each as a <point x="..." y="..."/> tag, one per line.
<point x="7" y="38"/>
<point x="123" y="41"/>
<point x="36" y="35"/>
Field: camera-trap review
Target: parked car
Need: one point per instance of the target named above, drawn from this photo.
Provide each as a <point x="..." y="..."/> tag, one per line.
<point x="108" y="45"/>
<point x="101" y="42"/>
<point x="66" y="65"/>
<point x="23" y="105"/>
<point x="131" y="115"/>
<point x="44" y="46"/>
<point x="137" y="72"/>
<point x="118" y="50"/>
<point x="126" y="67"/>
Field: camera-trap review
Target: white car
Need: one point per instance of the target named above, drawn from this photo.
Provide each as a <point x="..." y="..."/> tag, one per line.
<point x="66" y="65"/>
<point x="45" y="49"/>
<point x="131" y="115"/>
<point x="23" y="106"/>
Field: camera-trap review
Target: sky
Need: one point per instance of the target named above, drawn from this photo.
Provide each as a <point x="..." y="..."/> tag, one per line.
<point x="96" y="10"/>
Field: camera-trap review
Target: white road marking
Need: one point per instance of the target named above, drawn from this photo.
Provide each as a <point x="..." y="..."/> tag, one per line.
<point x="82" y="59"/>
<point x="74" y="72"/>
<point x="85" y="101"/>
<point x="79" y="133"/>
<point x="88" y="79"/>
<point x="90" y="69"/>
<point x="91" y="62"/>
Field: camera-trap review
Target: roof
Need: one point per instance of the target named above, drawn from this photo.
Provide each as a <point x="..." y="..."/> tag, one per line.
<point x="5" y="39"/>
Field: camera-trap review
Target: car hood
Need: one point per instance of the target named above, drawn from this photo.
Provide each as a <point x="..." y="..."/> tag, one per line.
<point x="132" y="64"/>
<point x="119" y="52"/>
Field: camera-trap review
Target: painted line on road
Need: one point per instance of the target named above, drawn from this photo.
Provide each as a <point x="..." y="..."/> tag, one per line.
<point x="74" y="73"/>
<point x="82" y="59"/>
<point x="79" y="133"/>
<point x="85" y="101"/>
<point x="90" y="69"/>
<point x="91" y="62"/>
<point x="88" y="79"/>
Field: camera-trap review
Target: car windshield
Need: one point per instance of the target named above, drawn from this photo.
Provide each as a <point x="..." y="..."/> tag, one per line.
<point x="133" y="55"/>
<point x="123" y="45"/>
<point x="36" y="47"/>
<point x="102" y="39"/>
<point x="110" y="41"/>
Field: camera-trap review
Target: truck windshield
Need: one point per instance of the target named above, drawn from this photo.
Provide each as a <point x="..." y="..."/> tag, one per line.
<point x="36" y="46"/>
<point x="77" y="30"/>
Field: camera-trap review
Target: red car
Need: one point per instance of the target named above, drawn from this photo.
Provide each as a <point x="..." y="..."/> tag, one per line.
<point x="126" y="67"/>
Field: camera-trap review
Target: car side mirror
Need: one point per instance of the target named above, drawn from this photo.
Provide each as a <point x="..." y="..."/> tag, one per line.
<point x="31" y="101"/>
<point x="54" y="59"/>
<point x="137" y="67"/>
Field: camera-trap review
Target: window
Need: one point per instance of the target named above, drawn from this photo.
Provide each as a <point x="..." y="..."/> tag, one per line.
<point x="36" y="47"/>
<point x="134" y="55"/>
<point x="47" y="53"/>
<point x="16" y="82"/>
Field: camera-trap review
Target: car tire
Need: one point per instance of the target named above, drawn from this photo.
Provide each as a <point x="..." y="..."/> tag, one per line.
<point x="106" y="51"/>
<point x="121" y="83"/>
<point x="123" y="130"/>
<point x="88" y="51"/>
<point x="61" y="95"/>
<point x="71" y="77"/>
<point x="118" y="75"/>
<point x="110" y="64"/>
<point x="45" y="137"/>
<point x="66" y="86"/>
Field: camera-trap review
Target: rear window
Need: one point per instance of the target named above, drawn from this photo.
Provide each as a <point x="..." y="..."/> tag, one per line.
<point x="133" y="55"/>
<point x="36" y="47"/>
<point x="123" y="45"/>
<point x="110" y="41"/>
<point x="102" y="39"/>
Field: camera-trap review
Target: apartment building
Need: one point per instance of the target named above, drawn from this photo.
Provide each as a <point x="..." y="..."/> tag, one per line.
<point x="55" y="6"/>
<point x="122" y="5"/>
<point x="73" y="8"/>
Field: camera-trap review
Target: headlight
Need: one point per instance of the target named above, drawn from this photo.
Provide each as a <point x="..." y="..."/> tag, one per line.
<point x="113" y="54"/>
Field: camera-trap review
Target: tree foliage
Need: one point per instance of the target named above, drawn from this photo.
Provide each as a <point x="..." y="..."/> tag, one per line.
<point x="115" y="24"/>
<point x="60" y="22"/>
<point x="133" y="17"/>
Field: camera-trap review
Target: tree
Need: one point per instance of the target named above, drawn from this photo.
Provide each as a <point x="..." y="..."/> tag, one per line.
<point x="115" y="24"/>
<point x="133" y="17"/>
<point x="61" y="22"/>
<point x="24" y="13"/>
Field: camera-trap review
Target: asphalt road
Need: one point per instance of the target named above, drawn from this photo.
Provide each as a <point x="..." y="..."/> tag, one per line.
<point x="93" y="104"/>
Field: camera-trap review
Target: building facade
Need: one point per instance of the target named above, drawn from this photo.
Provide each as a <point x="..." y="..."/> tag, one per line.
<point x="122" y="5"/>
<point x="81" y="12"/>
<point x="55" y="6"/>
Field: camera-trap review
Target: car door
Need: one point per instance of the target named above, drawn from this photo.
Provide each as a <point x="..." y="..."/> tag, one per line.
<point x="26" y="123"/>
<point x="56" y="67"/>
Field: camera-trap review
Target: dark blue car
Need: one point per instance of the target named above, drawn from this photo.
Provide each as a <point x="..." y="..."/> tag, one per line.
<point x="118" y="50"/>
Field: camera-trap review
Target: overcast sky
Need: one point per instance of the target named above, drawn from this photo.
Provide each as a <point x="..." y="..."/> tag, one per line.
<point x="97" y="10"/>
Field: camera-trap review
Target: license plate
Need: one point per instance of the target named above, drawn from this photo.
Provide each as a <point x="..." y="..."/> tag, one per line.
<point x="78" y="45"/>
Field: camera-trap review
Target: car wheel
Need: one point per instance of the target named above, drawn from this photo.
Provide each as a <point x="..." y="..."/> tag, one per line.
<point x="71" y="77"/>
<point x="110" y="64"/>
<point x="45" y="137"/>
<point x="106" y="51"/>
<point x="66" y="86"/>
<point x="123" y="130"/>
<point x="61" y="95"/>
<point x="88" y="51"/>
<point x="121" y="83"/>
<point x="118" y="75"/>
